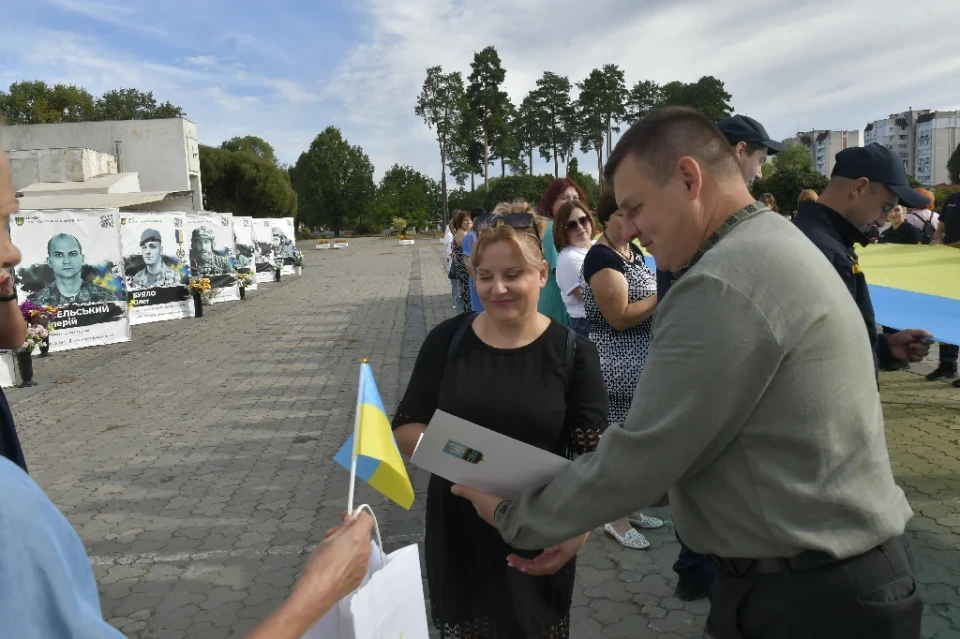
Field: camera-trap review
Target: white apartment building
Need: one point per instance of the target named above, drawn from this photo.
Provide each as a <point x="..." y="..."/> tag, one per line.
<point x="937" y="137"/>
<point x="823" y="146"/>
<point x="898" y="133"/>
<point x="163" y="153"/>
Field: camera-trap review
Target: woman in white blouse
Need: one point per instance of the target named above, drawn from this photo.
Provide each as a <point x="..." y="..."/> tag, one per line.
<point x="573" y="233"/>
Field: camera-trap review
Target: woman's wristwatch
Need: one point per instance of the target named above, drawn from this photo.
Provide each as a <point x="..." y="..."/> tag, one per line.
<point x="9" y="298"/>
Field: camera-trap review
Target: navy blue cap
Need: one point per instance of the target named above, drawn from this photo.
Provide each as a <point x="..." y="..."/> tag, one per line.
<point x="742" y="128"/>
<point x="877" y="163"/>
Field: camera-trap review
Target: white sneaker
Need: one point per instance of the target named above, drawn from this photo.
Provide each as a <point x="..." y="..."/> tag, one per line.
<point x="632" y="539"/>
<point x="648" y="523"/>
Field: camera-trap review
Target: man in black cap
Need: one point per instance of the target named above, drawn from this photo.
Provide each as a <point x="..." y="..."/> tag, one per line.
<point x="750" y="143"/>
<point x="866" y="183"/>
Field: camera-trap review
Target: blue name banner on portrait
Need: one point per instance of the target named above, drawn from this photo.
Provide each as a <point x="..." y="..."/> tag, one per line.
<point x="156" y="265"/>
<point x="73" y="260"/>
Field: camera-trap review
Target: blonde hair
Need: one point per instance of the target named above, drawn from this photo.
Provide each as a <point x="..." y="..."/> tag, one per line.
<point x="807" y="195"/>
<point x="524" y="241"/>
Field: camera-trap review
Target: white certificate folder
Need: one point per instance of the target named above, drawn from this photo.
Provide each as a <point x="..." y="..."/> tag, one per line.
<point x="465" y="453"/>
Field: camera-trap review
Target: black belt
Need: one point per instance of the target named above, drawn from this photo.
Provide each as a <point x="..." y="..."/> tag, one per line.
<point x="807" y="560"/>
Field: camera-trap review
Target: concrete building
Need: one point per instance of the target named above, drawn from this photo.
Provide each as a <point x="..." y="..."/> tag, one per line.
<point x="937" y="137"/>
<point x="163" y="153"/>
<point x="823" y="146"/>
<point x="897" y="132"/>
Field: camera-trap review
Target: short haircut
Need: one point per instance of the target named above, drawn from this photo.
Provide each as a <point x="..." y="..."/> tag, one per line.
<point x="607" y="207"/>
<point x="807" y="195"/>
<point x="61" y="236"/>
<point x="458" y="220"/>
<point x="664" y="136"/>
<point x="553" y="191"/>
<point x="753" y="147"/>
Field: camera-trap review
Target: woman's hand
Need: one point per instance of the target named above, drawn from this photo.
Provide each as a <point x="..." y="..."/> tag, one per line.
<point x="551" y="560"/>
<point x="6" y="283"/>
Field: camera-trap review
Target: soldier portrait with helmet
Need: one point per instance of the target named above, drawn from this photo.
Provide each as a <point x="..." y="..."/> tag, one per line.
<point x="204" y="260"/>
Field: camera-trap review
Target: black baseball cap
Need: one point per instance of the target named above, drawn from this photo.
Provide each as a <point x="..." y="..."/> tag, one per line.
<point x="877" y="163"/>
<point x="150" y="235"/>
<point x="742" y="128"/>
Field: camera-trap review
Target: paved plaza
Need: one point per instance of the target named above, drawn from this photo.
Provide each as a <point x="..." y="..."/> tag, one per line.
<point x="199" y="486"/>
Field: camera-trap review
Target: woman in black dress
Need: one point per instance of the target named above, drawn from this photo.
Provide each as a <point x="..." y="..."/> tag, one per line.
<point x="510" y="370"/>
<point x="462" y="223"/>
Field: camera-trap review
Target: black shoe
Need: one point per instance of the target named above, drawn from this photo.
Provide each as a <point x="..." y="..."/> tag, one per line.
<point x="691" y="592"/>
<point x="956" y="383"/>
<point x="940" y="374"/>
<point x="896" y="366"/>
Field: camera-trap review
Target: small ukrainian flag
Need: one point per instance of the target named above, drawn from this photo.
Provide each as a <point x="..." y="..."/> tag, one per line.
<point x="373" y="447"/>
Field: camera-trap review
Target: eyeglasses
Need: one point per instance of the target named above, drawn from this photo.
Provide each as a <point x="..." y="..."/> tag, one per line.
<point x="519" y="221"/>
<point x="582" y="222"/>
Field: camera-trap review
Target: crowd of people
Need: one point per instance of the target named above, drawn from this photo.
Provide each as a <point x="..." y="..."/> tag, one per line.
<point x="738" y="381"/>
<point x="710" y="392"/>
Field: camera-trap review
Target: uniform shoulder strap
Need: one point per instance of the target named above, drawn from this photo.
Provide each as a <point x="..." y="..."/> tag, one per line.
<point x="458" y="336"/>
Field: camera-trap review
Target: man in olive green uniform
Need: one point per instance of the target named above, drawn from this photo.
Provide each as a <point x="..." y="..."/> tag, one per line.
<point x="203" y="259"/>
<point x="156" y="274"/>
<point x="65" y="257"/>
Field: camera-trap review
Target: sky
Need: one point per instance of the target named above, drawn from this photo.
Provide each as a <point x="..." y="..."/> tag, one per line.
<point x="287" y="69"/>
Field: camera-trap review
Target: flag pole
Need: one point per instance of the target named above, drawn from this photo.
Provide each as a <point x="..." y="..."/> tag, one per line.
<point x="356" y="440"/>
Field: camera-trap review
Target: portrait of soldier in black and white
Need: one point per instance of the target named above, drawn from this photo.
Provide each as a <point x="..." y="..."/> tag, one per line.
<point x="282" y="245"/>
<point x="156" y="273"/>
<point x="203" y="258"/>
<point x="65" y="257"/>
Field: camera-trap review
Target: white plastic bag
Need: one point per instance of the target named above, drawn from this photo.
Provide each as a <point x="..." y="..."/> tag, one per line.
<point x="388" y="605"/>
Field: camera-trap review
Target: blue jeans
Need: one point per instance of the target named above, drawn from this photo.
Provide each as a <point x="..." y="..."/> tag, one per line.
<point x="694" y="569"/>
<point x="580" y="326"/>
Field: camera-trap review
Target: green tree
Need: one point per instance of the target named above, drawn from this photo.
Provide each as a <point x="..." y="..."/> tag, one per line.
<point x="441" y="103"/>
<point x="35" y="102"/>
<point x="334" y="182"/>
<point x="613" y="101"/>
<point x="407" y="193"/>
<point x="707" y="95"/>
<point x="586" y="181"/>
<point x="795" y="157"/>
<point x="485" y="97"/>
<point x="252" y="144"/>
<point x="786" y="183"/>
<point x="465" y="156"/>
<point x="953" y="166"/>
<point x="528" y="129"/>
<point x="131" y="104"/>
<point x="914" y="183"/>
<point x="592" y="115"/>
<point x="644" y="97"/>
<point x="504" y="145"/>
<point x="245" y="184"/>
<point x="550" y="106"/>
<point x="528" y="188"/>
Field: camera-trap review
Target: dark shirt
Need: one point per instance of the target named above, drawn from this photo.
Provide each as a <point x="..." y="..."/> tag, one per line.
<point x="906" y="233"/>
<point x="664" y="282"/>
<point x="950" y="218"/>
<point x="835" y="236"/>
<point x="9" y="442"/>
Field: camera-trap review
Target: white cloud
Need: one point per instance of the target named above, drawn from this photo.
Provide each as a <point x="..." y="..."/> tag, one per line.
<point x="824" y="64"/>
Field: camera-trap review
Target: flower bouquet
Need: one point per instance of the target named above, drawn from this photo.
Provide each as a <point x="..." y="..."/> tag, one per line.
<point x="245" y="279"/>
<point x="200" y="289"/>
<point x="298" y="260"/>
<point x="278" y="266"/>
<point x="39" y="320"/>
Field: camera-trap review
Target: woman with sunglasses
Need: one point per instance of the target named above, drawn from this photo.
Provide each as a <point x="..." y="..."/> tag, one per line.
<point x="541" y="384"/>
<point x="573" y="236"/>
<point x="619" y="296"/>
<point x="560" y="191"/>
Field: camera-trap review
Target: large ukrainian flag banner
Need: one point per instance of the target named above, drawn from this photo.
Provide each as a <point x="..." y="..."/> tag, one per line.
<point x="371" y="452"/>
<point x="915" y="286"/>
